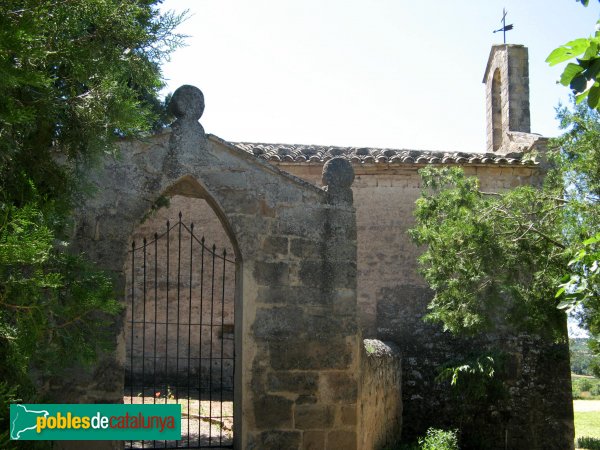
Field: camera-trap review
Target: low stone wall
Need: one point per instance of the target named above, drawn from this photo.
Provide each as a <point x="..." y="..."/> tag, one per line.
<point x="380" y="400"/>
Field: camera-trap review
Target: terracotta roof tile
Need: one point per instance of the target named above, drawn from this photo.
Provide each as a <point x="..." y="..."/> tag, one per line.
<point x="290" y="153"/>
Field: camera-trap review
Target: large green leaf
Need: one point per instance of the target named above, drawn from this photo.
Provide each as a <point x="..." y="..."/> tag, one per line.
<point x="570" y="72"/>
<point x="594" y="96"/>
<point x="568" y="51"/>
<point x="579" y="83"/>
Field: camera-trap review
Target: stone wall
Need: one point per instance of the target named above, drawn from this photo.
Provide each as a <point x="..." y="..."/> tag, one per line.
<point x="393" y="299"/>
<point x="507" y="95"/>
<point x="300" y="252"/>
<point x="296" y="334"/>
<point x="380" y="395"/>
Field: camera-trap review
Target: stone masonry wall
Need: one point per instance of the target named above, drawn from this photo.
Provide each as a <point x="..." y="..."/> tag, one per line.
<point x="393" y="298"/>
<point x="380" y="415"/>
<point x="508" y="65"/>
<point x="296" y="335"/>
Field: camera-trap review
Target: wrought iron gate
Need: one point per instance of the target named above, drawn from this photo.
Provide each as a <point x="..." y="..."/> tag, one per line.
<point x="179" y="344"/>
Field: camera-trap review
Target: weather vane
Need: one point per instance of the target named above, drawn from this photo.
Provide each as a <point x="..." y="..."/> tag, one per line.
<point x="505" y="27"/>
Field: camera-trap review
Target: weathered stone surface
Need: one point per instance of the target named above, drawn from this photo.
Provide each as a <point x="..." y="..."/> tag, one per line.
<point x="313" y="417"/>
<point x="339" y="387"/>
<point x="348" y="416"/>
<point x="291" y="295"/>
<point x="283" y="320"/>
<point x="303" y="248"/>
<point x="271" y="273"/>
<point x="507" y="99"/>
<point x="311" y="355"/>
<point x="313" y="440"/>
<point x="338" y="176"/>
<point x="341" y="440"/>
<point x="276" y="245"/>
<point x="276" y="440"/>
<point x="278" y="323"/>
<point x="273" y="412"/>
<point x="338" y="173"/>
<point x="187" y="102"/>
<point x="380" y="403"/>
<point x="302" y="383"/>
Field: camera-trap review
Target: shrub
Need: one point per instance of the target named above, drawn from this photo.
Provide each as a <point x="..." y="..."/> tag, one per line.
<point x="585" y="385"/>
<point x="437" y="439"/>
<point x="588" y="443"/>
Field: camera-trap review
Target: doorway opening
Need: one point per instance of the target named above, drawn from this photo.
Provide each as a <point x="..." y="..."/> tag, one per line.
<point x="180" y="348"/>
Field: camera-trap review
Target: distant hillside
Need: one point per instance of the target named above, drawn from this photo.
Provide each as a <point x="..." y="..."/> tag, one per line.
<point x="581" y="356"/>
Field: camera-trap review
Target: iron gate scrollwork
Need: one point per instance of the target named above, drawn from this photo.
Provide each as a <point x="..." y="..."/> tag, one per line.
<point x="179" y="345"/>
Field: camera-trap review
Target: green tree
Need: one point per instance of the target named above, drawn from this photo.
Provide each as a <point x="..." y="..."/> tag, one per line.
<point x="490" y="254"/>
<point x="75" y="76"/>
<point x="580" y="169"/>
<point x="522" y="254"/>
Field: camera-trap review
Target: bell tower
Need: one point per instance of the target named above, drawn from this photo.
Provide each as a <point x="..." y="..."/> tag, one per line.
<point x="507" y="95"/>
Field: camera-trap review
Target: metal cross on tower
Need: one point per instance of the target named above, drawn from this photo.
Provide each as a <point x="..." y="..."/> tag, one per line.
<point x="505" y="27"/>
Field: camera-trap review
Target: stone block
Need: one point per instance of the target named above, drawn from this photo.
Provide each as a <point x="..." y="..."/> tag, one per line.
<point x="305" y="248"/>
<point x="328" y="275"/>
<point x="276" y="440"/>
<point x="310" y="354"/>
<point x="341" y="440"/>
<point x="271" y="411"/>
<point x="310" y="417"/>
<point x="275" y="245"/>
<point x="296" y="382"/>
<point x="278" y="323"/>
<point x="348" y="415"/>
<point x="271" y="273"/>
<point x="306" y="400"/>
<point x="339" y="387"/>
<point x="344" y="302"/>
<point x="313" y="440"/>
<point x="314" y="272"/>
<point x="290" y="295"/>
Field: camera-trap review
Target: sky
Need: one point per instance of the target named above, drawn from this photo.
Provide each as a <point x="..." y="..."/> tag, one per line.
<point x="367" y="73"/>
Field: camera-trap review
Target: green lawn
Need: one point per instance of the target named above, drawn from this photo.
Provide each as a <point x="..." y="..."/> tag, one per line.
<point x="587" y="424"/>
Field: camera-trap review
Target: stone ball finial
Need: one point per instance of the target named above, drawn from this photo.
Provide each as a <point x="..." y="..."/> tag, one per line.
<point x="338" y="173"/>
<point x="187" y="103"/>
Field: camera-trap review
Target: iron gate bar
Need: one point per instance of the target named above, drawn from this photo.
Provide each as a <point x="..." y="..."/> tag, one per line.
<point x="132" y="311"/>
<point x="212" y="305"/>
<point x="167" y="393"/>
<point x="212" y="326"/>
<point x="178" y="315"/>
<point x="190" y="334"/>
<point x="144" y="329"/>
<point x="155" y="311"/>
<point x="200" y="327"/>
<point x="222" y="339"/>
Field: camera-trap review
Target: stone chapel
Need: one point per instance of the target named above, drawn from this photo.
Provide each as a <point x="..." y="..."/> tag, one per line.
<point x="314" y="330"/>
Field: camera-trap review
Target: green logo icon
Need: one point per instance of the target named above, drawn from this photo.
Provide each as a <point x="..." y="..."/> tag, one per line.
<point x="95" y="422"/>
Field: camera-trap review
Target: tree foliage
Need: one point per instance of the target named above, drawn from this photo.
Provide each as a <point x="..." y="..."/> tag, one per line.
<point x="489" y="254"/>
<point x="75" y="76"/>
<point x="582" y="75"/>
<point x="516" y="257"/>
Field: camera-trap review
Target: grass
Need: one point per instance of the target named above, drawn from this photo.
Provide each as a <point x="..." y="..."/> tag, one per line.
<point x="587" y="424"/>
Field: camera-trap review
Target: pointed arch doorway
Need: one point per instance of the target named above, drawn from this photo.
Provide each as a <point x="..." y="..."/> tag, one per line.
<point x="180" y="348"/>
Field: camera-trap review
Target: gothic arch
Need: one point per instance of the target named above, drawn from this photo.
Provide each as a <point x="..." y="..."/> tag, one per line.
<point x="497" y="125"/>
<point x="295" y="306"/>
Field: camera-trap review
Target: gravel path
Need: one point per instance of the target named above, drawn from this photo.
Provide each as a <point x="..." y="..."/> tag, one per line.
<point x="201" y="425"/>
<point x="586" y="405"/>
